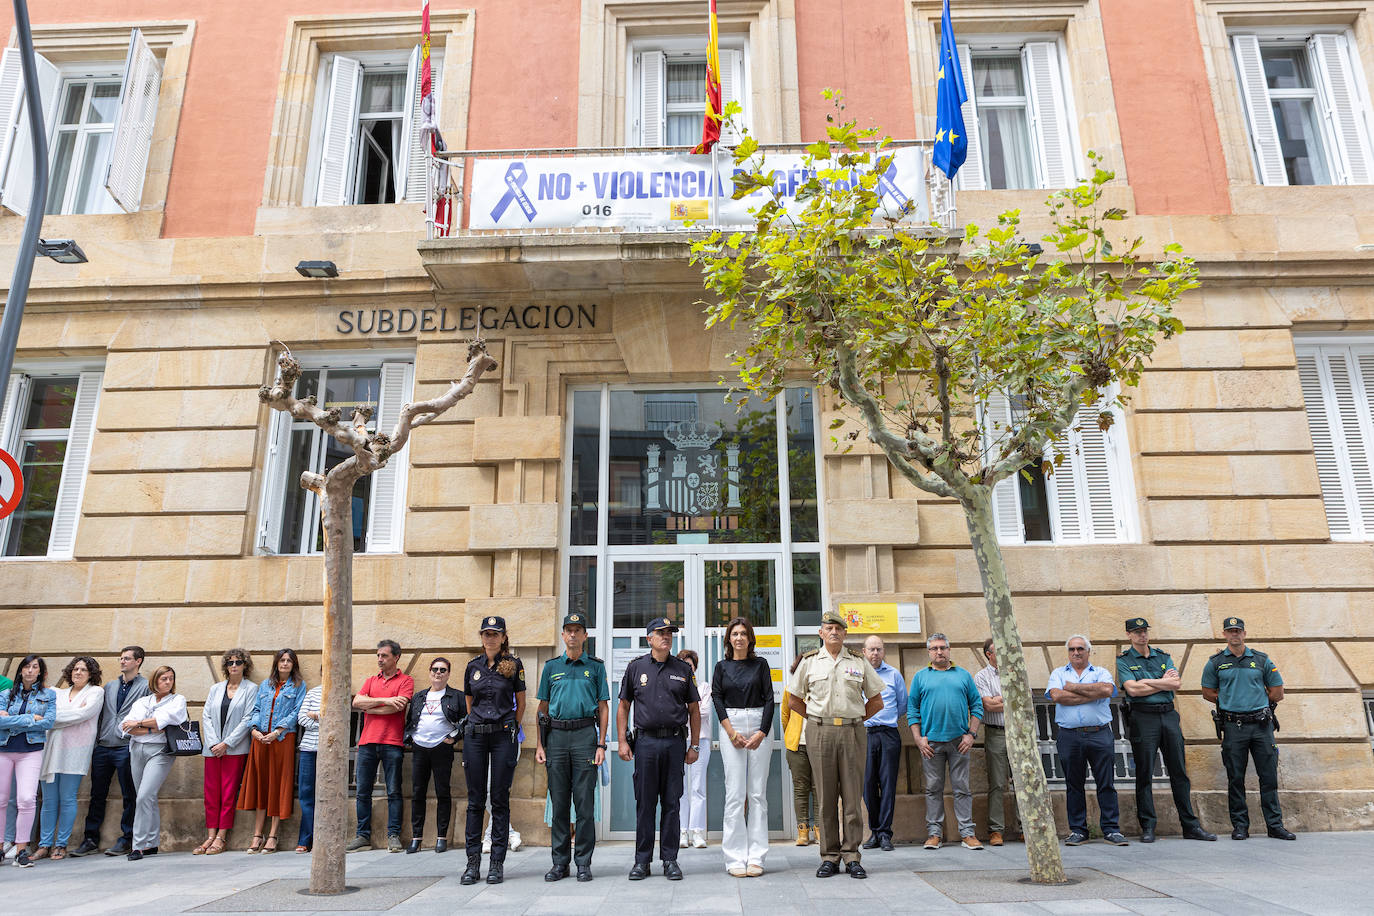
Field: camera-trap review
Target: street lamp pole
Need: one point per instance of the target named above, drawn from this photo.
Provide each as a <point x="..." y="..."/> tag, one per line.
<point x="33" y="222"/>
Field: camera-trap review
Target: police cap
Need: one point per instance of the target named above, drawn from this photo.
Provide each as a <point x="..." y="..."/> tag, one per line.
<point x="660" y="623"/>
<point x="1232" y="623"/>
<point x="575" y="620"/>
<point x="1137" y="623"/>
<point x="494" y="624"/>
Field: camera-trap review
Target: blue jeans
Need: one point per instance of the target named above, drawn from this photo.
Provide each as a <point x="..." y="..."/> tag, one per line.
<point x="305" y="791"/>
<point x="59" y="808"/>
<point x="389" y="756"/>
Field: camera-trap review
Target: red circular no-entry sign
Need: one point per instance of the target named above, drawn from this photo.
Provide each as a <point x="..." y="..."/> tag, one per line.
<point x="11" y="484"/>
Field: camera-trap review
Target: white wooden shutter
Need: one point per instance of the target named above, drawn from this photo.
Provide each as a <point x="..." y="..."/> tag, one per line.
<point x="1337" y="387"/>
<point x="387" y="512"/>
<point x="1323" y="422"/>
<point x="274" y="482"/>
<point x="340" y="128"/>
<point x="1006" y="495"/>
<point x="732" y="89"/>
<point x="971" y="176"/>
<point x="68" y="509"/>
<point x="1049" y="111"/>
<point x="1259" y="111"/>
<point x="1361" y="449"/>
<point x="652" y="76"/>
<point x="19" y="174"/>
<point x="16" y="393"/>
<point x="1346" y="109"/>
<point x="1103" y="517"/>
<point x="133" y="133"/>
<point x="414" y="164"/>
<point x="1063" y="490"/>
<point x="11" y="95"/>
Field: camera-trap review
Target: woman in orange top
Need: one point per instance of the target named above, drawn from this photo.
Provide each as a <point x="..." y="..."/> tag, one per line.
<point x="270" y="775"/>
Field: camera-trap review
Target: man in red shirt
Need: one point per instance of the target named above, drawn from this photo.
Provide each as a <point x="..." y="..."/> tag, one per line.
<point x="382" y="701"/>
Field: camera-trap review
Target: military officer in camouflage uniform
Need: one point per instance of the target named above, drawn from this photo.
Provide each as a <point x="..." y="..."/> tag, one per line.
<point x="1246" y="686"/>
<point x="1149" y="678"/>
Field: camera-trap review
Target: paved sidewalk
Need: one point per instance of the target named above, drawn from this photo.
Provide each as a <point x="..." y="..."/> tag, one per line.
<point x="1320" y="873"/>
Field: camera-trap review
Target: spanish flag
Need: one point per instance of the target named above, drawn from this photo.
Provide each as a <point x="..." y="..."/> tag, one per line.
<point x="710" y="127"/>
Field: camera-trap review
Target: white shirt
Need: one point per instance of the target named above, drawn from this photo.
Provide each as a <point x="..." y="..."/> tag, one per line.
<point x="310" y="728"/>
<point x="69" y="745"/>
<point x="170" y="710"/>
<point x="433" y="726"/>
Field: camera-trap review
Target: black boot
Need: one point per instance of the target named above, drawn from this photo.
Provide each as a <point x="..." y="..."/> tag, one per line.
<point x="496" y="872"/>
<point x="473" y="872"/>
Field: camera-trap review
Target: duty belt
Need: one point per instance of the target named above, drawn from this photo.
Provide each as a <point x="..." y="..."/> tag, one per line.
<point x="487" y="728"/>
<point x="674" y="732"/>
<point x="569" y="725"/>
<point x="1259" y="715"/>
<point x="829" y="721"/>
<point x="1152" y="707"/>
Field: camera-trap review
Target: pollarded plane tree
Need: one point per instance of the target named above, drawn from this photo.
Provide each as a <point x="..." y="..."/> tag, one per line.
<point x="967" y="357"/>
<point x="371" y="451"/>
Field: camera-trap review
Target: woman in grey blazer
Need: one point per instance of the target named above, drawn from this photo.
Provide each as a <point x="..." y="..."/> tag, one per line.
<point x="225" y="726"/>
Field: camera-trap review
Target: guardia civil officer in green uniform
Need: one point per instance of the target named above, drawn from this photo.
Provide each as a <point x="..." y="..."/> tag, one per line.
<point x="1149" y="678"/>
<point x="573" y="707"/>
<point x="1246" y="687"/>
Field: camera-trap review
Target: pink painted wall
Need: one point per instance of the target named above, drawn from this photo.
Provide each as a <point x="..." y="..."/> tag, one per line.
<point x="860" y="47"/>
<point x="1164" y="106"/>
<point x="524" y="87"/>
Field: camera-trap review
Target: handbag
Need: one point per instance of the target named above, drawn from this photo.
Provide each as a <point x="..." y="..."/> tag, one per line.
<point x="184" y="740"/>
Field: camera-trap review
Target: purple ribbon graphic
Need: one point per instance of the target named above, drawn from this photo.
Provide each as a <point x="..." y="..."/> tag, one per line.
<point x="516" y="176"/>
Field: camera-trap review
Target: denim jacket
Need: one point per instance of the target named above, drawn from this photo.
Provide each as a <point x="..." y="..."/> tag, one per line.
<point x="37" y="719"/>
<point x="288" y="705"/>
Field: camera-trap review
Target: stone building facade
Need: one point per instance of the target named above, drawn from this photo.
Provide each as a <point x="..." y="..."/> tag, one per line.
<point x="1241" y="478"/>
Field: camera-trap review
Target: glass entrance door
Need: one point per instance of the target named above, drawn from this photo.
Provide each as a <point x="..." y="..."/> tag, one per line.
<point x="702" y="593"/>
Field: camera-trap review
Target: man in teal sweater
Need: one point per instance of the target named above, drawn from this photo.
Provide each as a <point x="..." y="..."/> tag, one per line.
<point x="944" y="710"/>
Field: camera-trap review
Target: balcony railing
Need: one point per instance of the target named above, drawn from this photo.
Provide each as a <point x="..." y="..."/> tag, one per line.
<point x="589" y="190"/>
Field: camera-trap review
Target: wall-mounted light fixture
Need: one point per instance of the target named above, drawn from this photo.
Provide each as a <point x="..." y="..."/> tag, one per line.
<point x="317" y="270"/>
<point x="63" y="251"/>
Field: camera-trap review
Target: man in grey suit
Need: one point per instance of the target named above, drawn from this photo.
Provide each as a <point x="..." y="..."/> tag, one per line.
<point x="111" y="756"/>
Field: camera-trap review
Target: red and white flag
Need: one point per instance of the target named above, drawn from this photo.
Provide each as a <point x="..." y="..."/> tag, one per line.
<point x="710" y="126"/>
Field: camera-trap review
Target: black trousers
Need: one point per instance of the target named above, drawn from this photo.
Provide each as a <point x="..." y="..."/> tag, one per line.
<point x="1241" y="741"/>
<point x="1077" y="752"/>
<point x="106" y="764"/>
<point x="424" y="761"/>
<point x="572" y="781"/>
<point x="489" y="764"/>
<point x="659" y="766"/>
<point x="880" y="778"/>
<point x="1152" y="732"/>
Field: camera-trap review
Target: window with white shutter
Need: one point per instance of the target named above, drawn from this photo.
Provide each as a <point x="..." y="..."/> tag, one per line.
<point x="1307" y="106"/>
<point x="1089" y="497"/>
<point x="1019" y="115"/>
<point x="49" y="423"/>
<point x="1337" y="388"/>
<point x="667" y="98"/>
<point x="289" y="516"/>
<point x="366" y="146"/>
<point x="99" y="120"/>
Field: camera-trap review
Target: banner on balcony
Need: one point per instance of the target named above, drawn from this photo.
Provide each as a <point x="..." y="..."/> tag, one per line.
<point x="657" y="190"/>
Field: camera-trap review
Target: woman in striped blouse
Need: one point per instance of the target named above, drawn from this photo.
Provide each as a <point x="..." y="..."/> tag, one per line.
<point x="309" y="720"/>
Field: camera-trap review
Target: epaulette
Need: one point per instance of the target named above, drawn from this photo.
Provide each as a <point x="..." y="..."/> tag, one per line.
<point x="1123" y="653"/>
<point x="1218" y="652"/>
<point x="809" y="654"/>
<point x="595" y="659"/>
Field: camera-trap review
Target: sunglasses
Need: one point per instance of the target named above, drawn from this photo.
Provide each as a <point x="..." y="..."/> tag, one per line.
<point x="234" y="662"/>
<point x="438" y="670"/>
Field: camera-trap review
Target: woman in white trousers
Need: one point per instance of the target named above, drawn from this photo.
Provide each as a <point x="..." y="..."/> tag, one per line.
<point x="693" y="806"/>
<point x="742" y="692"/>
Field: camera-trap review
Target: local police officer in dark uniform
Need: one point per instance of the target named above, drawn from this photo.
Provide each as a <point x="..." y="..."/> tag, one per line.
<point x="1149" y="678"/>
<point x="574" y="701"/>
<point x="663" y="690"/>
<point x="1246" y="687"/>
<point x="494" y="683"/>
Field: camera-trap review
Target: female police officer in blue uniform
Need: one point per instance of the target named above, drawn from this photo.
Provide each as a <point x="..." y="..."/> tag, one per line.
<point x="494" y="684"/>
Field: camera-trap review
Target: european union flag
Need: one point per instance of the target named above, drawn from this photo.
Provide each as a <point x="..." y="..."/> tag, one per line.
<point x="951" y="143"/>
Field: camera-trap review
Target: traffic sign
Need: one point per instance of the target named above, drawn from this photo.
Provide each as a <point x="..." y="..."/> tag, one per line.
<point x="11" y="484"/>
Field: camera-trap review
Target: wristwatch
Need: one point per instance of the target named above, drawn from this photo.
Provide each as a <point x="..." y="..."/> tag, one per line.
<point x="601" y="746"/>
<point x="696" y="748"/>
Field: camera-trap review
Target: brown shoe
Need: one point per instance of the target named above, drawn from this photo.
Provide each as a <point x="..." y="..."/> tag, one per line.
<point x="970" y="842"/>
<point x="802" y="837"/>
<point x="933" y="841"/>
<point x="994" y="839"/>
<point x="42" y="853"/>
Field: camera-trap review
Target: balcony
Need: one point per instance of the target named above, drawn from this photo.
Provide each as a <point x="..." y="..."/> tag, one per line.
<point x="515" y="222"/>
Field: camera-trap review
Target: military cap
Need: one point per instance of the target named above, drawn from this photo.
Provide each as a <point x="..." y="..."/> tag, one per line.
<point x="577" y="619"/>
<point x="834" y="617"/>
<point x="1232" y="623"/>
<point x="1137" y="623"/>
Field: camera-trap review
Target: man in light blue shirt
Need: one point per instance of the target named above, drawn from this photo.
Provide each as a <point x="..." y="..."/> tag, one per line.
<point x="1082" y="694"/>
<point x="884" y="749"/>
<point x="944" y="710"/>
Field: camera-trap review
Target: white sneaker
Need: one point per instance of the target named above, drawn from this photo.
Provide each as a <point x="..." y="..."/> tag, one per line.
<point x="486" y="842"/>
<point x="683" y="842"/>
<point x="699" y="839"/>
<point x="515" y="841"/>
<point x="9" y="848"/>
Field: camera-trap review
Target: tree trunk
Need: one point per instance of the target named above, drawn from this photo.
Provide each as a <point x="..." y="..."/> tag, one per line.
<point x="1027" y="772"/>
<point x="331" y="773"/>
